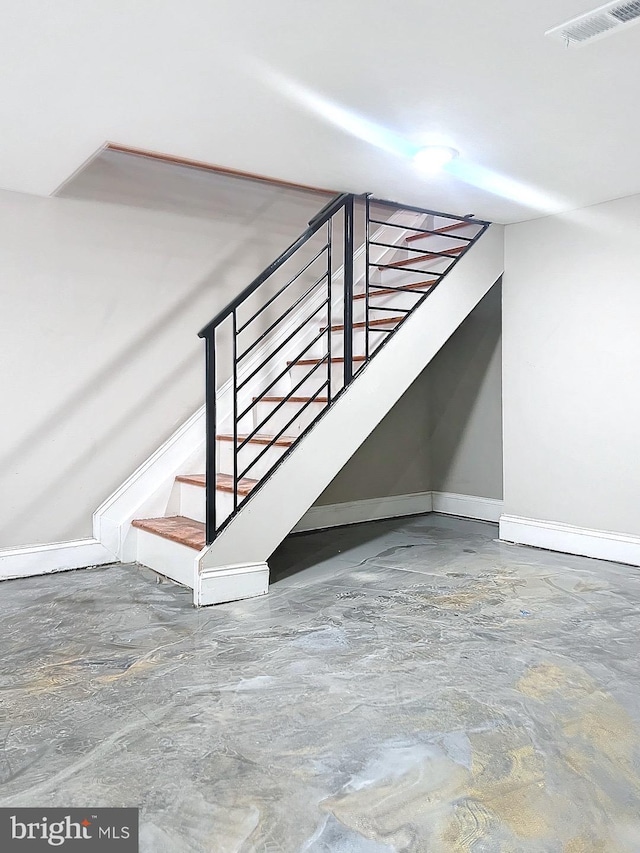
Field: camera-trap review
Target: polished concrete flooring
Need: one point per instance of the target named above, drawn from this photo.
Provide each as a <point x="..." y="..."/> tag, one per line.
<point x="410" y="685"/>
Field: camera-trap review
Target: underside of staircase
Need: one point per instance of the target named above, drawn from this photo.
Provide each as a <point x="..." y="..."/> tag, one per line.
<point x="275" y="444"/>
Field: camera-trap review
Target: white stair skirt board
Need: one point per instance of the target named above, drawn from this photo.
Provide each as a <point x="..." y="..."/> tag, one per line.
<point x="57" y="557"/>
<point x="555" y="536"/>
<point x="274" y="509"/>
<point x="232" y="583"/>
<point x="467" y="506"/>
<point x="396" y="506"/>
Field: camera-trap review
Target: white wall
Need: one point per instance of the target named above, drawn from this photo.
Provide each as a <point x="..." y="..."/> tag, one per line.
<point x="465" y="405"/>
<point x="445" y="433"/>
<point x="100" y="309"/>
<point x="571" y="344"/>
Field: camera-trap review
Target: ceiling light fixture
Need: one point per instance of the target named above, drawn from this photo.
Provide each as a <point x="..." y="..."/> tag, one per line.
<point x="433" y="158"/>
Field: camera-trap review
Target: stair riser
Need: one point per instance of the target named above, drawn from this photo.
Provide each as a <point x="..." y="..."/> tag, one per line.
<point x="192" y="502"/>
<point x="280" y="419"/>
<point x="247" y="454"/>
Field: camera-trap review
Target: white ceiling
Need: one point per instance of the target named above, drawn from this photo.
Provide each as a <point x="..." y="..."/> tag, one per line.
<point x="277" y="88"/>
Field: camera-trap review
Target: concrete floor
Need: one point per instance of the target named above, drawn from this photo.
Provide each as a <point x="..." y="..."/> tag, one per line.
<point x="409" y="685"/>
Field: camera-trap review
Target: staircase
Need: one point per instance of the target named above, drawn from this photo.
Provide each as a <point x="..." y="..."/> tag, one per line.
<point x="301" y="367"/>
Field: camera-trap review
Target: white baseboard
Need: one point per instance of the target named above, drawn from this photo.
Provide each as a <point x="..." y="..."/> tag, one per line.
<point x="554" y="536"/>
<point x="356" y="512"/>
<point x="467" y="506"/>
<point x="395" y="506"/>
<point x="57" y="557"/>
<point x="231" y="583"/>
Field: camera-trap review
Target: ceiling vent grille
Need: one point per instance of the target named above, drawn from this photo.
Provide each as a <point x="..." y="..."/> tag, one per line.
<point x="601" y="22"/>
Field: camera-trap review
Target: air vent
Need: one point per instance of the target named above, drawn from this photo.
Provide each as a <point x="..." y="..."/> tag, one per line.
<point x="627" y="12"/>
<point x="601" y="22"/>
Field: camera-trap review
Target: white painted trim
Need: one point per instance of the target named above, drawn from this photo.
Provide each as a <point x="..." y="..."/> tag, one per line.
<point x="148" y="489"/>
<point x="356" y="512"/>
<point x="395" y="506"/>
<point x="231" y="583"/>
<point x="467" y="506"/>
<point x="56" y="557"/>
<point x="555" y="536"/>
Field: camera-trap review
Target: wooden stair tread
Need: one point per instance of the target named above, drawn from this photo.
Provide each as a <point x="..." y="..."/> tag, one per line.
<point x="383" y="322"/>
<point x="283" y="441"/>
<point x="224" y="482"/>
<point x="292" y="399"/>
<point x="455" y="227"/>
<point x="415" y="286"/>
<point x="177" y="528"/>
<point x="416" y="259"/>
<point x="318" y="360"/>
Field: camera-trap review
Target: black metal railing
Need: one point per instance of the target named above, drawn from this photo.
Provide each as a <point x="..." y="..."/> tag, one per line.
<point x="327" y="284"/>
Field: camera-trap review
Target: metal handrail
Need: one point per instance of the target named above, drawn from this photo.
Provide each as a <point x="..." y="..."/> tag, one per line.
<point x="277" y="337"/>
<point x="315" y="225"/>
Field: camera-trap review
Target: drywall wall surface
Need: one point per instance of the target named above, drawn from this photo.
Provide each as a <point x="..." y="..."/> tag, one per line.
<point x="394" y="460"/>
<point x="571" y="307"/>
<point x="465" y="405"/>
<point x="100" y="309"/>
<point x="445" y="432"/>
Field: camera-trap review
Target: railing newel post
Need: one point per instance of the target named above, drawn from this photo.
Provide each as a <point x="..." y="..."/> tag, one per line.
<point x="211" y="431"/>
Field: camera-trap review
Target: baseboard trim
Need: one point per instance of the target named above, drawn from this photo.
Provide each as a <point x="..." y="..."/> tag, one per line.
<point x="357" y="512"/>
<point x="395" y="506"/>
<point x="56" y="557"/>
<point x="231" y="583"/>
<point x="467" y="506"/>
<point x="583" y="541"/>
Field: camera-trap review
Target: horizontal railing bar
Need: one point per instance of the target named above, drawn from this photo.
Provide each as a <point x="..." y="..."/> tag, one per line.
<point x="285" y="399"/>
<point x="284" y="429"/>
<point x="386" y="203"/>
<point x="411" y="269"/>
<point x="400" y="288"/>
<point x="282" y="289"/>
<point x="283" y="343"/>
<point x="436" y="233"/>
<point x="401" y="310"/>
<point x="401" y="248"/>
<point x="337" y="203"/>
<point x="281" y="317"/>
<point x="282" y="373"/>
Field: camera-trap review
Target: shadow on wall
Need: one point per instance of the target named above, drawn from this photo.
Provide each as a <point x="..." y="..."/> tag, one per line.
<point x="465" y="405"/>
<point x="105" y="297"/>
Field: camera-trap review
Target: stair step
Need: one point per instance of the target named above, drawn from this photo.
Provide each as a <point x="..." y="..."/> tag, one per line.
<point x="224" y="482"/>
<point x="318" y="360"/>
<point x="449" y="253"/>
<point x="385" y="321"/>
<point x="292" y="399"/>
<point x="283" y="441"/>
<point x="444" y="230"/>
<point x="415" y="286"/>
<point x="177" y="528"/>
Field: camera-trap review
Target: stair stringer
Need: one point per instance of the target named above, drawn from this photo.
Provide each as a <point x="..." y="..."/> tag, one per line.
<point x="267" y="517"/>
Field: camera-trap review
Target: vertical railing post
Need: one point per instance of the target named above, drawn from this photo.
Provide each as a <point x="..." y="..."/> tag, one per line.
<point x="210" y="428"/>
<point x="366" y="277"/>
<point x="348" y="290"/>
<point x="234" y="357"/>
<point x="329" y="311"/>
